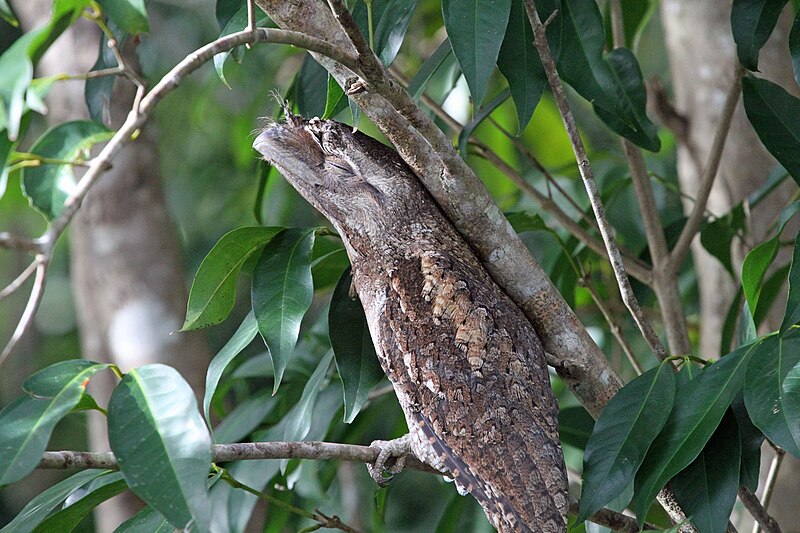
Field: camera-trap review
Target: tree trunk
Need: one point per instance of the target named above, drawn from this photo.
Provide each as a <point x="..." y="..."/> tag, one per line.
<point x="702" y="56"/>
<point x="127" y="270"/>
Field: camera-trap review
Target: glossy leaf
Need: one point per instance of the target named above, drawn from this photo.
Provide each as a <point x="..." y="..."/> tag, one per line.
<point x="613" y="84"/>
<point x="792" y="314"/>
<point x="282" y="292"/>
<point x="243" y="420"/>
<point x="335" y="100"/>
<point x="97" y="91"/>
<point x="6" y="14"/>
<point x="717" y="235"/>
<point x="148" y="519"/>
<point x="129" y="15"/>
<point x="755" y="268"/>
<point x="480" y="116"/>
<point x="311" y="88"/>
<point x="775" y="115"/>
<point x="17" y="88"/>
<point x="523" y="221"/>
<point x="27" y="423"/>
<point x="706" y="489"/>
<point x="392" y="27"/>
<point x="751" y="440"/>
<point x="300" y="416"/>
<point x="520" y="64"/>
<point x="162" y="444"/>
<point x="431" y="65"/>
<point x="698" y="410"/>
<point x="70" y="516"/>
<point x="794" y="47"/>
<point x="771" y="392"/>
<point x="239" y="341"/>
<point x="476" y="29"/>
<point x="6" y="148"/>
<point x="213" y="291"/>
<point x="575" y="426"/>
<point x="327" y="269"/>
<point x="636" y="14"/>
<point x="356" y="360"/>
<point x="234" y="23"/>
<point x="47" y="501"/>
<point x="622" y="435"/>
<point x="631" y="98"/>
<point x="48" y="185"/>
<point x="752" y="22"/>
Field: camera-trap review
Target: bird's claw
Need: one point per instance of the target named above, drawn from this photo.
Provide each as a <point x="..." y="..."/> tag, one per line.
<point x="397" y="448"/>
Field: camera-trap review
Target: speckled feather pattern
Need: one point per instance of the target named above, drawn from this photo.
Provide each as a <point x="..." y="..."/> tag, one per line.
<point x="466" y="365"/>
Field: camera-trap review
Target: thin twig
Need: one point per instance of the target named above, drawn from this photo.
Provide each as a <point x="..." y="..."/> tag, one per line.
<point x="769" y="483"/>
<point x="30" y="309"/>
<point x="12" y="287"/>
<point x="137" y="117"/>
<point x="681" y="249"/>
<point x="587" y="175"/>
<point x="615" y="328"/>
<point x="757" y="511"/>
<point x="665" y="279"/>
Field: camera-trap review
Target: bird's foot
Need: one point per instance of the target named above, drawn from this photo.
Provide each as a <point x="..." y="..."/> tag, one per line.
<point x="397" y="448"/>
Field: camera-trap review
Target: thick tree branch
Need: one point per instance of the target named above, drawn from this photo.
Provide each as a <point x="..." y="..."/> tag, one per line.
<point x="587" y="175"/>
<point x="467" y="204"/>
<point x="692" y="226"/>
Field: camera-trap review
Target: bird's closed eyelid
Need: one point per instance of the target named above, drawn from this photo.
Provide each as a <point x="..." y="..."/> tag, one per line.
<point x="340" y="164"/>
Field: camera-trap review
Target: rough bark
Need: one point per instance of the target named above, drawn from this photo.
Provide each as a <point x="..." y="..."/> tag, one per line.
<point x="468" y="206"/>
<point x="466" y="365"/>
<point x="701" y="55"/>
<point x="126" y="263"/>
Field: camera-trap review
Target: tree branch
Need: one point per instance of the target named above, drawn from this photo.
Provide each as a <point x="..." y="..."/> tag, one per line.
<point x="468" y="206"/>
<point x="137" y="117"/>
<point x="315" y="450"/>
<point x="757" y="511"/>
<point x="587" y="175"/>
<point x="681" y="249"/>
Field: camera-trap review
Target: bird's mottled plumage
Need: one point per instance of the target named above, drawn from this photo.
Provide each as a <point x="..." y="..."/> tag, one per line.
<point x="467" y="366"/>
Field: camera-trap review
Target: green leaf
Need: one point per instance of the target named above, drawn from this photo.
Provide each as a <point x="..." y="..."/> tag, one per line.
<point x="236" y="22"/>
<point x="794" y="47"/>
<point x="327" y="269"/>
<point x="755" y="268"/>
<point x="717" y="235"/>
<point x="129" y="15"/>
<point x="699" y="407"/>
<point x="575" y="426"/>
<point x="356" y="360"/>
<point x="706" y="489"/>
<point x="751" y="440"/>
<point x="45" y="502"/>
<point x="392" y="27"/>
<point x="97" y="91"/>
<point x="245" y="418"/>
<point x="438" y="58"/>
<point x="299" y="418"/>
<point x="476" y="29"/>
<point x="775" y="115"/>
<point x="7" y="15"/>
<point x="26" y="424"/>
<point x="626" y="428"/>
<point x="771" y="391"/>
<point x="480" y="116"/>
<point x="69" y="517"/>
<point x="792" y="314"/>
<point x="162" y="444"/>
<point x="148" y="519"/>
<point x="523" y="221"/>
<point x="335" y="100"/>
<point x="613" y="84"/>
<point x="311" y="88"/>
<point x="48" y="185"/>
<point x="51" y="381"/>
<point x="752" y="22"/>
<point x="282" y="292"/>
<point x="630" y="120"/>
<point x="244" y="336"/>
<point x="6" y="148"/>
<point x="213" y="291"/>
<point x="520" y="64"/>
<point x="636" y="14"/>
<point x="452" y="515"/>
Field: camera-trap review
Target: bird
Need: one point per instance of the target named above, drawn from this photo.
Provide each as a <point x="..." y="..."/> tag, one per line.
<point x="466" y="365"/>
